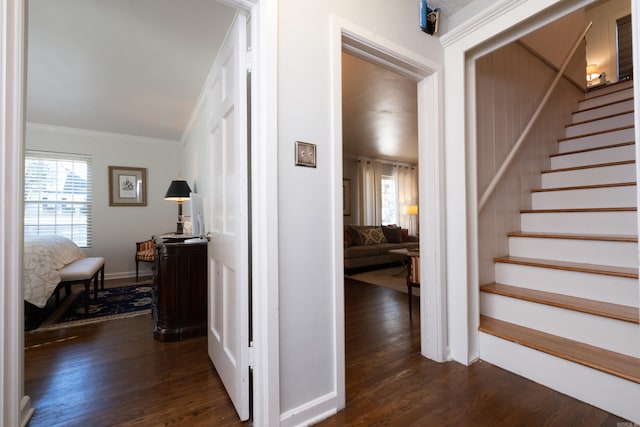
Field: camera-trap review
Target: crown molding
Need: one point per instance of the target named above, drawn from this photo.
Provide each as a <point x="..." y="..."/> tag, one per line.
<point x="100" y="134"/>
<point x="487" y="15"/>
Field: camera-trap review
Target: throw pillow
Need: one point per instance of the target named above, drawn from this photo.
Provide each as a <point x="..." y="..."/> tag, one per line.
<point x="348" y="241"/>
<point x="392" y="234"/>
<point x="373" y="236"/>
<point x="405" y="235"/>
<point x="355" y="235"/>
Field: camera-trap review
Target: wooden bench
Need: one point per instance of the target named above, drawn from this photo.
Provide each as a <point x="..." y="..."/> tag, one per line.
<point x="82" y="270"/>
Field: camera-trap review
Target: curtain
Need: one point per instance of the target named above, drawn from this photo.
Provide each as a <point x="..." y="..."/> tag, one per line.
<point x="407" y="190"/>
<point x="369" y="175"/>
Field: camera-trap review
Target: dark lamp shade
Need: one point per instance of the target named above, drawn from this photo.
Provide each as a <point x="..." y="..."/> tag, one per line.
<point x="178" y="190"/>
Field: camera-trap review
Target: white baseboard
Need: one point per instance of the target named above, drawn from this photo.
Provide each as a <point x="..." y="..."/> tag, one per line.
<point x="127" y="275"/>
<point x="26" y="411"/>
<point x="311" y="412"/>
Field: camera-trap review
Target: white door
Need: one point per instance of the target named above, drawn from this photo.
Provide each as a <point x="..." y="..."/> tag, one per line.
<point x="228" y="336"/>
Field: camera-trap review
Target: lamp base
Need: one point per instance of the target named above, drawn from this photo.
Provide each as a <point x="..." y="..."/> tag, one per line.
<point x="179" y="229"/>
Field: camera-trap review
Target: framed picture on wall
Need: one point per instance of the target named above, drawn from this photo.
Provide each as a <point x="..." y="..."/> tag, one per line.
<point x="127" y="186"/>
<point x="346" y="197"/>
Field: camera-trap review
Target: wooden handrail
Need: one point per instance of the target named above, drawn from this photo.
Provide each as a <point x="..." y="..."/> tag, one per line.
<point x="507" y="162"/>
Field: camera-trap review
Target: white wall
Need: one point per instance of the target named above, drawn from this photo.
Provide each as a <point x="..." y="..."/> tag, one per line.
<point x="307" y="223"/>
<point x="510" y="83"/>
<point x="195" y="153"/>
<point x="117" y="229"/>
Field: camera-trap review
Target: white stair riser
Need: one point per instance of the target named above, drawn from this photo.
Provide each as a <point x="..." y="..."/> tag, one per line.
<point x="590" y="176"/>
<point x="600" y="287"/>
<point x="604" y="197"/>
<point x="605" y="110"/>
<point x="621" y="254"/>
<point x="600" y="125"/>
<point x="597" y="140"/>
<point x="606" y="155"/>
<point x="624" y="222"/>
<point x="607" y="99"/>
<point x="611" y="334"/>
<point x="611" y="393"/>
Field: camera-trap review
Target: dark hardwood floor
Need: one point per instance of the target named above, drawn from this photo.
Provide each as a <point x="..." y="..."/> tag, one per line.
<point x="114" y="373"/>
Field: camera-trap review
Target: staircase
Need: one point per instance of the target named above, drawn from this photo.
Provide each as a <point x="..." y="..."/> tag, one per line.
<point x="564" y="308"/>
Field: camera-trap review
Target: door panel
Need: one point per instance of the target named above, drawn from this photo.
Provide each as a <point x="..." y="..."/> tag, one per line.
<point x="228" y="337"/>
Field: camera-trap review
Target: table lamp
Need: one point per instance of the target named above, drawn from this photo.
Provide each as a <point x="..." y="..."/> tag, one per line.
<point x="179" y="191"/>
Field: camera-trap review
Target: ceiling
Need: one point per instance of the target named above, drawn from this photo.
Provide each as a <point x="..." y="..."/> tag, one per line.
<point x="379" y="112"/>
<point x="122" y="66"/>
<point x="137" y="68"/>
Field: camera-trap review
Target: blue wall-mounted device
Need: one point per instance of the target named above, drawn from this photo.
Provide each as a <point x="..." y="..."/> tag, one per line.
<point x="429" y="18"/>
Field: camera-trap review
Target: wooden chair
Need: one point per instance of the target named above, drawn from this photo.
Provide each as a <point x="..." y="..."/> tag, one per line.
<point x="145" y="252"/>
<point x="413" y="276"/>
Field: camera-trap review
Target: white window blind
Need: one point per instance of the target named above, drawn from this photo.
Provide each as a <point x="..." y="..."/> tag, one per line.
<point x="57" y="195"/>
<point x="625" y="48"/>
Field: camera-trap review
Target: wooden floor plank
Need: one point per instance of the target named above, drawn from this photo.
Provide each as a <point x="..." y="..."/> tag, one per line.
<point x="114" y="373"/>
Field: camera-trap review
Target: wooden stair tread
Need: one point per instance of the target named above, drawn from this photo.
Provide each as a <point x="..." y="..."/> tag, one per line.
<point x="583" y="305"/>
<point x="585" y="187"/>
<point x="574" y="210"/>
<point x="595" y="90"/>
<point x="595" y="165"/>
<point x="607" y="270"/>
<point x="575" y="236"/>
<point x="603" y="105"/>
<point x="600" y="118"/>
<point x="607" y="361"/>
<point x="568" y="138"/>
<point x="587" y="150"/>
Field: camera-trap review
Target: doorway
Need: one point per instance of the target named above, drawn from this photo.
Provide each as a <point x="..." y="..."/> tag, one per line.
<point x="16" y="406"/>
<point x="432" y="299"/>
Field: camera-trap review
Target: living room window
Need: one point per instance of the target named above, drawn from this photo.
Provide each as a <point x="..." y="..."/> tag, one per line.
<point x="389" y="200"/>
<point x="57" y="195"/>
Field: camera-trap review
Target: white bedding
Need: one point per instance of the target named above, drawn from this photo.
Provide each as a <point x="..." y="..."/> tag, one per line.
<point x="43" y="257"/>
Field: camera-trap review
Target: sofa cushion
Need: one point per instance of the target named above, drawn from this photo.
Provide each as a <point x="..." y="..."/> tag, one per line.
<point x="361" y="251"/>
<point x="348" y="241"/>
<point x="373" y="236"/>
<point x="392" y="233"/>
<point x="356" y="237"/>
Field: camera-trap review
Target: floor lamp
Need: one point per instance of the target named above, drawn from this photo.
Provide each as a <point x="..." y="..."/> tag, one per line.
<point x="412" y="211"/>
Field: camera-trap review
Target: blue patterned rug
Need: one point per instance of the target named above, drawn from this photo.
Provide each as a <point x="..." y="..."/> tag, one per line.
<point x="112" y="303"/>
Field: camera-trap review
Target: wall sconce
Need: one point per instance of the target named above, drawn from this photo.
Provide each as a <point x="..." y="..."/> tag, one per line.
<point x="593" y="73"/>
<point x="179" y="191"/>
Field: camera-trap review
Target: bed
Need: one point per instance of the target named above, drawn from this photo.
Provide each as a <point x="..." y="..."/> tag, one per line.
<point x="44" y="256"/>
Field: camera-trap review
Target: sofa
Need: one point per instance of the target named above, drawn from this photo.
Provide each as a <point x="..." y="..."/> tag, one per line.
<point x="369" y="245"/>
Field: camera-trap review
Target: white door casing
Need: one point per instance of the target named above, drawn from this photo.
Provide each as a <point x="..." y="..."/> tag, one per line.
<point x="228" y="329"/>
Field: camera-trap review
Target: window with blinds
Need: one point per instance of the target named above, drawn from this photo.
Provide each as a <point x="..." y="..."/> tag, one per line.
<point x="625" y="48"/>
<point x="57" y="195"/>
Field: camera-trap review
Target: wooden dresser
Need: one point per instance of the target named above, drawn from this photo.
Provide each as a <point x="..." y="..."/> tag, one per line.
<point x="179" y="290"/>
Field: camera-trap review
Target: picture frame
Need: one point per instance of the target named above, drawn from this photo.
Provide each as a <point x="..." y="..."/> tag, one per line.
<point x="346" y="197"/>
<point x="127" y="186"/>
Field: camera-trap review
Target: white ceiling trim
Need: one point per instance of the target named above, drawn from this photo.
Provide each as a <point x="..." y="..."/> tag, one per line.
<point x="487" y="15"/>
<point x="99" y="134"/>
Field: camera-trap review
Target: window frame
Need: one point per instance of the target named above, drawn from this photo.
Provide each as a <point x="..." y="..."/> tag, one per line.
<point x="58" y="197"/>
